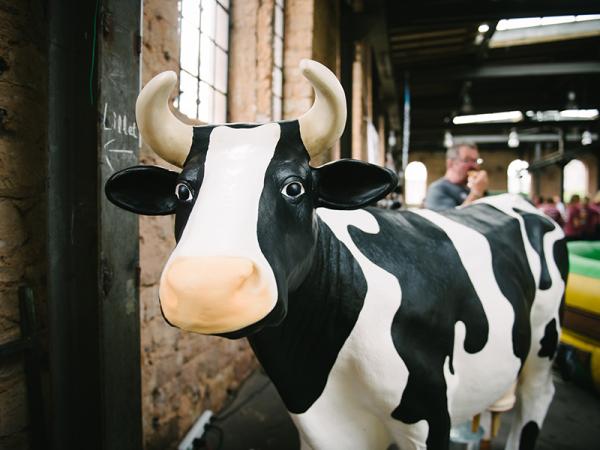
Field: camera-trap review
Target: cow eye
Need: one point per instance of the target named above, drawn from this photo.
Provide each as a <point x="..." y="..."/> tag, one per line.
<point x="184" y="193"/>
<point x="293" y="190"/>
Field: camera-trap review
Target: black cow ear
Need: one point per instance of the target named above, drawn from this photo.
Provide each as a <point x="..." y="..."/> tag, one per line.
<point x="147" y="190"/>
<point x="351" y="184"/>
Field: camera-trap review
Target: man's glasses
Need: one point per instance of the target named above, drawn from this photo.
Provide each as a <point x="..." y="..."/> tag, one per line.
<point x="477" y="161"/>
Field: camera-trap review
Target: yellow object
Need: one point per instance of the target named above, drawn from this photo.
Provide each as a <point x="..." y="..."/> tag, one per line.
<point x="589" y="346"/>
<point x="582" y="310"/>
<point x="583" y="292"/>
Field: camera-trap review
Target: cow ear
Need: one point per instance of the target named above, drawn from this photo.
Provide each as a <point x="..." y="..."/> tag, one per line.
<point x="147" y="190"/>
<point x="351" y="184"/>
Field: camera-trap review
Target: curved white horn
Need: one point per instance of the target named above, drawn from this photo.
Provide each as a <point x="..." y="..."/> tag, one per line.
<point x="324" y="122"/>
<point x="170" y="138"/>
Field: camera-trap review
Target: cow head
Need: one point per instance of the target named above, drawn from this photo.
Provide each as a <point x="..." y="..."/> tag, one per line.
<point x="244" y="204"/>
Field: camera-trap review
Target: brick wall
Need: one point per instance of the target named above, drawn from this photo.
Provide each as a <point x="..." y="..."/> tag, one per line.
<point x="250" y="61"/>
<point x="311" y="31"/>
<point x="23" y="129"/>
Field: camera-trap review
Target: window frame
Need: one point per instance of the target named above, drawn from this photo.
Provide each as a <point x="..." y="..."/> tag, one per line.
<point x="210" y="89"/>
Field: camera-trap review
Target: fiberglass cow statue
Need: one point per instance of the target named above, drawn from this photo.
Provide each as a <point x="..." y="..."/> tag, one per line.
<point x="375" y="326"/>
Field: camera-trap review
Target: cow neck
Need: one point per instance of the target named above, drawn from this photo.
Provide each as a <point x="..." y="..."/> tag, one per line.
<point x="299" y="353"/>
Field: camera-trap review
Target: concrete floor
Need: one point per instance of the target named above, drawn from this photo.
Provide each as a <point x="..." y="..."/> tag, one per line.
<point x="257" y="420"/>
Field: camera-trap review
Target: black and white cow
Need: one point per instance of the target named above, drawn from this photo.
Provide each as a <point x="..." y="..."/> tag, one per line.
<point x="375" y="326"/>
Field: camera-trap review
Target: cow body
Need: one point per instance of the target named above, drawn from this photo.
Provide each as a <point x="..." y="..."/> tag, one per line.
<point x="375" y="326"/>
<point x="430" y="319"/>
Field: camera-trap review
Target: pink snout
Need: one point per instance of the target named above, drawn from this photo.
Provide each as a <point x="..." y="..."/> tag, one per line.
<point x="212" y="295"/>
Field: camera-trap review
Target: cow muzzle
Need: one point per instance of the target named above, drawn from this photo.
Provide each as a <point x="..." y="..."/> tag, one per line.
<point x="212" y="295"/>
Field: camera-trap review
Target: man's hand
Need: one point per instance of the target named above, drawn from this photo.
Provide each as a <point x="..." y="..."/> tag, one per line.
<point x="478" y="183"/>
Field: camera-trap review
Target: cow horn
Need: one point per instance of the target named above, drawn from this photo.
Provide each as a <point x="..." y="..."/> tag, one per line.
<point x="324" y="122"/>
<point x="170" y="138"/>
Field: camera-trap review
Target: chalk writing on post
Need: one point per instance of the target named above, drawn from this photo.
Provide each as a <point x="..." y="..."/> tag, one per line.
<point x="118" y="124"/>
<point x="119" y="131"/>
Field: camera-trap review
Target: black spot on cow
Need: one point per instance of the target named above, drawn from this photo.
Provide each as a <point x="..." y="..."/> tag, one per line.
<point x="561" y="256"/>
<point x="299" y="353"/>
<point x="436" y="293"/>
<point x="550" y="340"/>
<point x="536" y="226"/>
<point x="529" y="435"/>
<point x="510" y="264"/>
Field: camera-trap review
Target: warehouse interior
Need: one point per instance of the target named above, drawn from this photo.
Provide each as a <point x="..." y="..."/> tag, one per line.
<point x="86" y="357"/>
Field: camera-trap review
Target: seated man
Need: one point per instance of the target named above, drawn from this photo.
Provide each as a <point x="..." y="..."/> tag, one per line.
<point x="463" y="182"/>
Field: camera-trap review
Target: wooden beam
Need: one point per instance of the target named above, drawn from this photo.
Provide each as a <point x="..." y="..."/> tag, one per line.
<point x="399" y="35"/>
<point x="428" y="52"/>
<point x="426" y="43"/>
<point x="93" y="303"/>
<point x="378" y="39"/>
<point x="548" y="69"/>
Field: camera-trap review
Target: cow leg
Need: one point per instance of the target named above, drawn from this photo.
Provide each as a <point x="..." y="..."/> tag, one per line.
<point x="534" y="394"/>
<point x="330" y="427"/>
<point x="409" y="437"/>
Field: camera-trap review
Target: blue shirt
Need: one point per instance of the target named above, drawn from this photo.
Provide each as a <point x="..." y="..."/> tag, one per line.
<point x="443" y="194"/>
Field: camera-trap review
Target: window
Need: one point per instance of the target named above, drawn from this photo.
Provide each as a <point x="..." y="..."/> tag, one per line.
<point x="277" y="88"/>
<point x="519" y="179"/>
<point x="416" y="183"/>
<point x="575" y="179"/>
<point x="204" y="34"/>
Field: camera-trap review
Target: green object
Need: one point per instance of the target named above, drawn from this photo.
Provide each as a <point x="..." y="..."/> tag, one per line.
<point x="584" y="258"/>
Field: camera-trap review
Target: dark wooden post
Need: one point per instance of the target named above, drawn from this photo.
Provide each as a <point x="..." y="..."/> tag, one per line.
<point x="119" y="46"/>
<point x="94" y="77"/>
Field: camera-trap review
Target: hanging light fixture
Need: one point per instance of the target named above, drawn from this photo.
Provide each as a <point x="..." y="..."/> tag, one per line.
<point x="571" y="103"/>
<point x="392" y="139"/>
<point x="513" y="139"/>
<point x="586" y="137"/>
<point x="448" y="139"/>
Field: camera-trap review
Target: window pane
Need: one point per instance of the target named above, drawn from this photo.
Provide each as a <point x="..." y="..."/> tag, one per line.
<point x="220" y="108"/>
<point x="277" y="82"/>
<point x="221" y="70"/>
<point x="190" y="11"/>
<point x="225" y="3"/>
<point x="207" y="59"/>
<point x="208" y="18"/>
<point x="575" y="179"/>
<point x="279" y="3"/>
<point x="278" y="52"/>
<point x="416" y="183"/>
<point x="279" y="21"/>
<point x="277" y="107"/>
<point x="188" y="86"/>
<point x="222" y="37"/>
<point x="189" y="47"/>
<point x="205" y="109"/>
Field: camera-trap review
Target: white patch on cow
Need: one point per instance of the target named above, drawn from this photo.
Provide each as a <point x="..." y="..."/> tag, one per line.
<point x="480" y="378"/>
<point x="224" y="219"/>
<point x="364" y="386"/>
